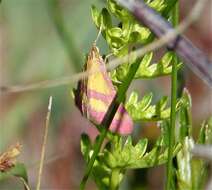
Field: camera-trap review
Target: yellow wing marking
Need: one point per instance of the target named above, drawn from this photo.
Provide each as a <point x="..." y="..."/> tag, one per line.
<point x="96" y="81"/>
<point x="98" y="105"/>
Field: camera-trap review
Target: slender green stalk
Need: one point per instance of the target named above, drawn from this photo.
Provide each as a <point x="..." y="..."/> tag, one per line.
<point x="108" y="119"/>
<point x="26" y="186"/>
<point x="93" y="157"/>
<point x="170" y="5"/>
<point x="175" y="22"/>
<point x="180" y="82"/>
<point x="66" y="36"/>
<point x="169" y="181"/>
<point x="114" y="179"/>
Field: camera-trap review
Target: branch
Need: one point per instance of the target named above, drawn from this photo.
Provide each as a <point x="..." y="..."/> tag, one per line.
<point x="44" y="144"/>
<point x="194" y="57"/>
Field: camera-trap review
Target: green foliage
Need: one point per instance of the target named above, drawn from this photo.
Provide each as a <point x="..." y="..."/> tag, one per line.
<point x="205" y="136"/>
<point x="120" y="39"/>
<point x="128" y="31"/>
<point x="122" y="155"/>
<point x="143" y="110"/>
<point x="185" y="116"/>
<point x="127" y="34"/>
<point x="158" y="5"/>
<point x="146" y="70"/>
<point x="163" y="67"/>
<point x="119" y="154"/>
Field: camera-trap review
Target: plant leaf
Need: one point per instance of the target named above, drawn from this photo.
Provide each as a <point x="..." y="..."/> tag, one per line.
<point x="18" y="170"/>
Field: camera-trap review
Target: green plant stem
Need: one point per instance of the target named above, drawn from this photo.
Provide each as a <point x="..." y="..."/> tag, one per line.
<point x="174" y="17"/>
<point x="180" y="82"/>
<point x="110" y="114"/>
<point x="66" y="36"/>
<point x="97" y="148"/>
<point x="114" y="179"/>
<point x="170" y="5"/>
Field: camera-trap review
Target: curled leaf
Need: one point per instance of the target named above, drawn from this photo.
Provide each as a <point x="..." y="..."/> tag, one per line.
<point x="143" y="110"/>
<point x="8" y="158"/>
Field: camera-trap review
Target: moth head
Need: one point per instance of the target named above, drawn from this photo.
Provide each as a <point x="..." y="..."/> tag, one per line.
<point x="94" y="52"/>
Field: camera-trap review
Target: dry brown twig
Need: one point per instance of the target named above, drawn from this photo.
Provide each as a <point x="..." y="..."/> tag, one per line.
<point x="44" y="144"/>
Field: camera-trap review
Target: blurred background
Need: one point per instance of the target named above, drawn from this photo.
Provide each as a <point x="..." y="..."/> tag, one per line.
<point x="31" y="49"/>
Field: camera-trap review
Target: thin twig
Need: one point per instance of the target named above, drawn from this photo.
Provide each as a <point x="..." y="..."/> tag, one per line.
<point x="25" y="183"/>
<point x="166" y="38"/>
<point x="194" y="58"/>
<point x="44" y="143"/>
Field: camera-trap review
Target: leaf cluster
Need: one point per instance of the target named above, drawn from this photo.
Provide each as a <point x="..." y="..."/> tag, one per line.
<point x="120" y="154"/>
<point x="127" y="30"/>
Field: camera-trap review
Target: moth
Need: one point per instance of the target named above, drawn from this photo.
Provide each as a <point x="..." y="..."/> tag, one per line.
<point x="95" y="93"/>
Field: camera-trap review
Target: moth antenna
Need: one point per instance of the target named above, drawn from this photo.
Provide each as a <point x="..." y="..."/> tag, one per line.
<point x="110" y="54"/>
<point x="98" y="35"/>
<point x="107" y="56"/>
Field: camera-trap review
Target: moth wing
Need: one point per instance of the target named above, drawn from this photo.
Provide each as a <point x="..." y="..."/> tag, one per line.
<point x="99" y="80"/>
<point x="100" y="93"/>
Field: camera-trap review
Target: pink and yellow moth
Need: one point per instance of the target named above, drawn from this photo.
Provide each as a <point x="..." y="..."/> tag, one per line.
<point x="95" y="93"/>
